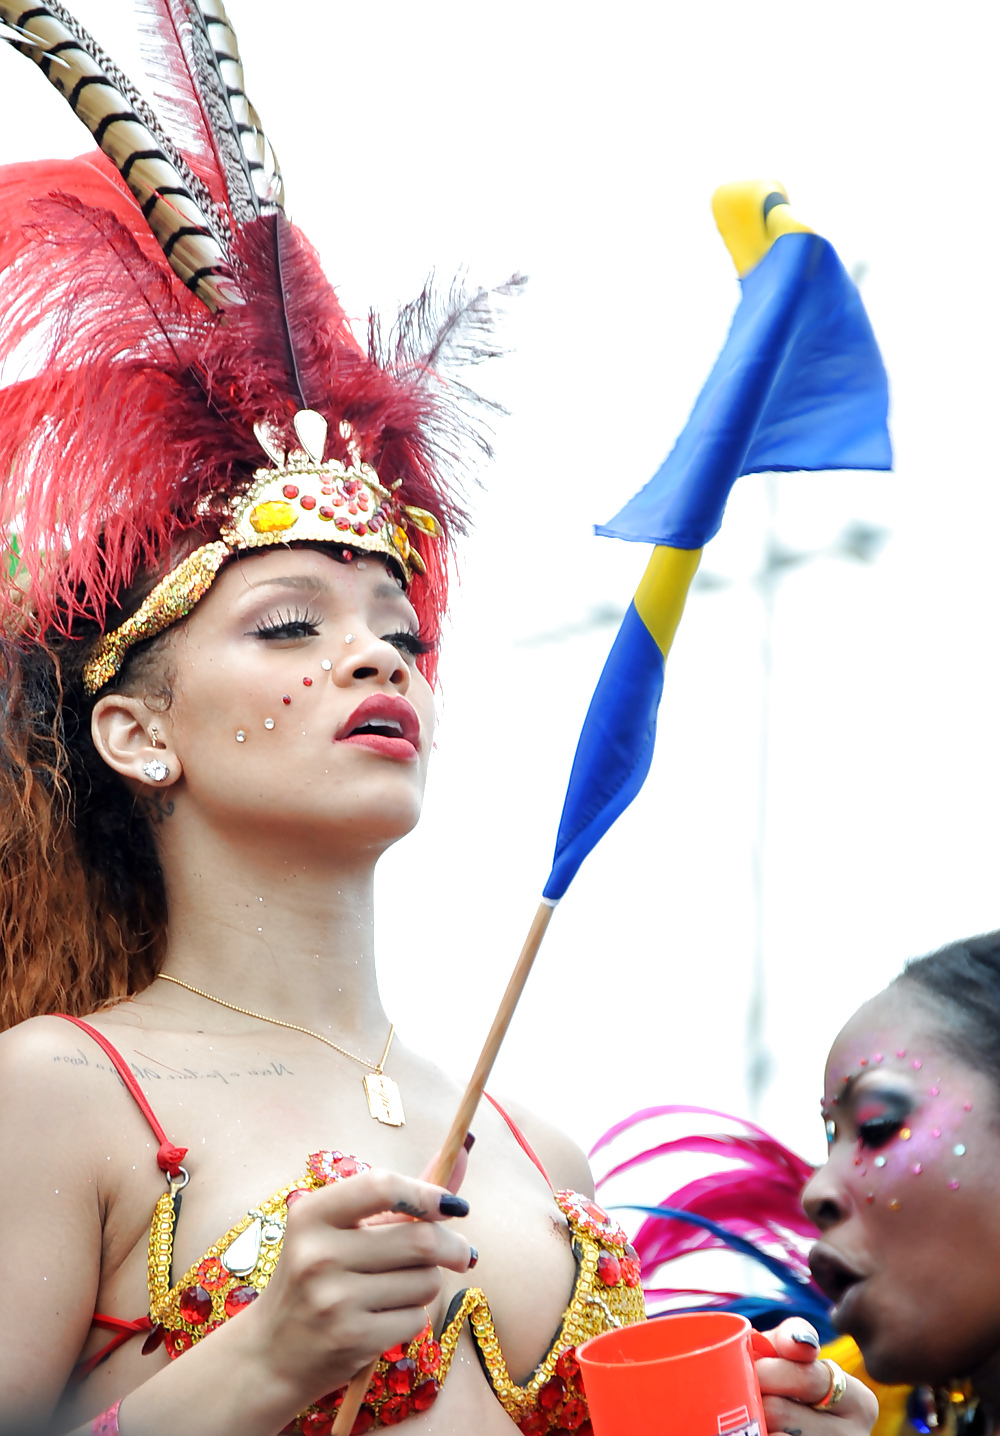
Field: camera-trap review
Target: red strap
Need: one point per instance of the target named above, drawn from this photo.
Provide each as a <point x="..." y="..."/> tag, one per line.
<point x="169" y="1157"/>
<point x="125" y="1330"/>
<point x="520" y="1137"/>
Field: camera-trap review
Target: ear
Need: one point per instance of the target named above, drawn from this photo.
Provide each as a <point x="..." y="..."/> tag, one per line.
<point x="121" y="727"/>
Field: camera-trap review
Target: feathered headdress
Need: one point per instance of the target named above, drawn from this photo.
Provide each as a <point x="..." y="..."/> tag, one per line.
<point x="165" y="328"/>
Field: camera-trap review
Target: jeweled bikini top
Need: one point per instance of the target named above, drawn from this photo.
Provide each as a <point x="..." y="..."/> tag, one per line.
<point x="234" y="1271"/>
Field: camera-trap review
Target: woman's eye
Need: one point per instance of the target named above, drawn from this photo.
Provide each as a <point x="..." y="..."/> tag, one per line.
<point x="877" y="1131"/>
<point x="409" y="643"/>
<point x="288" y="627"/>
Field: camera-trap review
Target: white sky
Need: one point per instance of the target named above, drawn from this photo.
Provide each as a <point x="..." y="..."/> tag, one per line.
<point x="581" y="143"/>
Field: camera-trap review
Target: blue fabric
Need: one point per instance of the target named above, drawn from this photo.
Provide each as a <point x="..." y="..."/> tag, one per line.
<point x="614" y="751"/>
<point x="800" y="384"/>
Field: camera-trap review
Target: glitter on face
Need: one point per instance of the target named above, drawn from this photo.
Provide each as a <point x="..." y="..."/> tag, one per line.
<point x="954" y="1185"/>
<point x="241" y="737"/>
<point x="935" y="1091"/>
<point x="307" y="683"/>
<point x="326" y="665"/>
<point x="286" y="698"/>
<point x="917" y="1064"/>
<point x="935" y="1131"/>
<point x="348" y="637"/>
<point x="895" y="1205"/>
<point x="905" y="1134"/>
<point x="916" y="1169"/>
<point x="959" y="1149"/>
<point x="268" y="722"/>
<point x="878" y="1057"/>
<point x="880" y="1161"/>
<point x="900" y="1051"/>
<point x="967" y="1106"/>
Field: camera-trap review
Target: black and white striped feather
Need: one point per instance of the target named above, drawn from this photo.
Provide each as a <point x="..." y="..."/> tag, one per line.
<point x="191" y="229"/>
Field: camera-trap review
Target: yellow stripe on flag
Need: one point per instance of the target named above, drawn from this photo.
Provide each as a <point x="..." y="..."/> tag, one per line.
<point x="739" y="213"/>
<point x="660" y="597"/>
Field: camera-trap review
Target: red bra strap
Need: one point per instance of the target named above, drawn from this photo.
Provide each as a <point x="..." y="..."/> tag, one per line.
<point x="169" y="1157"/>
<point x="124" y="1331"/>
<point x="520" y="1137"/>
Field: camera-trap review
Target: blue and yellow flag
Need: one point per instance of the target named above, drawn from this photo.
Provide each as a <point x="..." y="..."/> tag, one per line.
<point x="800" y="384"/>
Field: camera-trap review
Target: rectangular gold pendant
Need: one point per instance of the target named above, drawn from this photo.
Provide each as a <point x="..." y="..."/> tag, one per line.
<point x="384" y="1101"/>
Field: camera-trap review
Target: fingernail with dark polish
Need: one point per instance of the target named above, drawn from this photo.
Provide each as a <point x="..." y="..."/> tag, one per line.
<point x="793" y="1431"/>
<point x="473" y="1257"/>
<point x="451" y="1206"/>
<point x="470" y="1141"/>
<point x="806" y="1338"/>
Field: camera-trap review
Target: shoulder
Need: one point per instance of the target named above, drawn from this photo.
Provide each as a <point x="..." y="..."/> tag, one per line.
<point x="47" y="1073"/>
<point x="564" y="1161"/>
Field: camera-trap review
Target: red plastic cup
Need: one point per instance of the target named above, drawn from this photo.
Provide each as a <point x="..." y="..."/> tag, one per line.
<point x="687" y="1375"/>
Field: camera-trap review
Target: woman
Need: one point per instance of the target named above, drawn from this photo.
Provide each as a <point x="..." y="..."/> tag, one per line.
<point x="907" y="1200"/>
<point x="226" y="579"/>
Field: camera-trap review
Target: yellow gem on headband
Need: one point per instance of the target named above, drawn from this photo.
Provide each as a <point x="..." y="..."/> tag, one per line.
<point x="300" y="500"/>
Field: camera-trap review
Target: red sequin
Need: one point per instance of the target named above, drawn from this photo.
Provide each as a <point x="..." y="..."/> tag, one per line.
<point x="195" y="1305"/>
<point x="177" y="1342"/>
<point x="567" y="1366"/>
<point x="425" y="1395"/>
<point x="212" y="1274"/>
<point x="239" y="1298"/>
<point x="552" y="1393"/>
<point x="364" y="1421"/>
<point x="325" y="512"/>
<point x="395" y="1410"/>
<point x="318" y="1423"/>
<point x="609" y="1269"/>
<point x="360" y="529"/>
<point x="399" y="1377"/>
<point x="342" y="523"/>
<point x="429" y="1358"/>
<point x="396" y="1353"/>
<point x="573" y="1415"/>
<point x="534" y="1425"/>
<point x="307" y="501"/>
<point x="291" y="491"/>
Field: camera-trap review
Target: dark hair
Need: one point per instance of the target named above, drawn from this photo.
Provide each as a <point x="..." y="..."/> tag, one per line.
<point x="83" y="911"/>
<point x="964" y="978"/>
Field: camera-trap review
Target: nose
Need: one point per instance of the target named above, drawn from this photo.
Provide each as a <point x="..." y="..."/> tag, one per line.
<point x="824" y="1200"/>
<point x="370" y="657"/>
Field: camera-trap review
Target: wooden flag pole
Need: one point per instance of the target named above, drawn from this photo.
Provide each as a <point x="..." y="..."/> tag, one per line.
<point x="448" y="1156"/>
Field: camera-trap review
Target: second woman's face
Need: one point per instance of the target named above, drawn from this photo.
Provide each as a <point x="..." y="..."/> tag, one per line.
<point x="908" y="1200"/>
<point x="298" y="708"/>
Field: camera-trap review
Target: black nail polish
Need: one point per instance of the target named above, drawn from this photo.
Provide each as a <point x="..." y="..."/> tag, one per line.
<point x="806" y="1338"/>
<point x="451" y="1206"/>
<point x="473" y="1257"/>
<point x="470" y="1141"/>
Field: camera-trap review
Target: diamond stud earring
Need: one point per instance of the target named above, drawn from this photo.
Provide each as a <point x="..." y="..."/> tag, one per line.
<point x="155" y="771"/>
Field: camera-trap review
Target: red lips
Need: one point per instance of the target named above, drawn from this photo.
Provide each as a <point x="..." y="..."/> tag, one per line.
<point x="385" y="724"/>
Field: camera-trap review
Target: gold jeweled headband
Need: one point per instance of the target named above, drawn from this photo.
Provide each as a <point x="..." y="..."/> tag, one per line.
<point x="302" y="500"/>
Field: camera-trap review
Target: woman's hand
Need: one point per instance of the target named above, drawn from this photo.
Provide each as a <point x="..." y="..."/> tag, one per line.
<point x="350" y="1284"/>
<point x="795" y="1378"/>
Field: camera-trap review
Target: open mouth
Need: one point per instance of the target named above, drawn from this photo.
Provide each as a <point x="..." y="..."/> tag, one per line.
<point x="385" y="724"/>
<point x="834" y="1278"/>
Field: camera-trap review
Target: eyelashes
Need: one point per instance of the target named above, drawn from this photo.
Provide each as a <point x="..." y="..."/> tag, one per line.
<point x="409" y="643"/>
<point x="293" y="624"/>
<point x="878" y="1121"/>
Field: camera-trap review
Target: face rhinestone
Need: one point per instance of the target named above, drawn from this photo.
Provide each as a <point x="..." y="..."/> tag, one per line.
<point x="954" y="1185"/>
<point x="348" y="637"/>
<point x="831" y="1131"/>
<point x="895" y="1205"/>
<point x="307" y="682"/>
<point x="900" y="1051"/>
<point x="917" y="1064"/>
<point x="935" y="1091"/>
<point x="916" y="1169"/>
<point x="241" y="737"/>
<point x="880" y="1161"/>
<point x="905" y="1134"/>
<point x="326" y="665"/>
<point x="878" y="1057"/>
<point x="268" y="722"/>
<point x="959" y="1149"/>
<point x="967" y="1106"/>
<point x="870" y="1197"/>
<point x="935" y="1131"/>
<point x="286" y="698"/>
<point x="863" y="1062"/>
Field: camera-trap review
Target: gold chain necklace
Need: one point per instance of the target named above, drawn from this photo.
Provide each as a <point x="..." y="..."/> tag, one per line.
<point x="384" y="1101"/>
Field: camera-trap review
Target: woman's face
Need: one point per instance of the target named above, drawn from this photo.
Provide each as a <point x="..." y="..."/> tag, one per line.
<point x="908" y="1199"/>
<point x="298" y="711"/>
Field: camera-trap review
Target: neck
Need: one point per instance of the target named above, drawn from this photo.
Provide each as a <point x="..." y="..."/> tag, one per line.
<point x="275" y="928"/>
